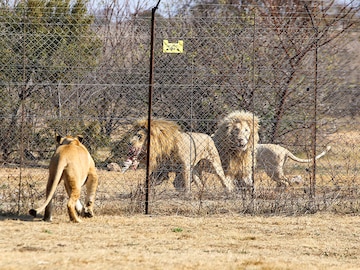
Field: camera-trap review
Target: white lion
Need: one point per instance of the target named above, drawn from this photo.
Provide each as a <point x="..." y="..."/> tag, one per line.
<point x="272" y="158"/>
<point x="236" y="139"/>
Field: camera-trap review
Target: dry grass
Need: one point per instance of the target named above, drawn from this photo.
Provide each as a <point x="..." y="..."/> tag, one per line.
<point x="320" y="241"/>
<point x="206" y="230"/>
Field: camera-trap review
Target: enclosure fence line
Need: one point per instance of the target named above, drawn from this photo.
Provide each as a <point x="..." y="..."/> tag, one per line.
<point x="88" y="74"/>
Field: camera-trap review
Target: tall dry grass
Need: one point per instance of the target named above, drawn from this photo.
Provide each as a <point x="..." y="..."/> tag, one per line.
<point x="337" y="189"/>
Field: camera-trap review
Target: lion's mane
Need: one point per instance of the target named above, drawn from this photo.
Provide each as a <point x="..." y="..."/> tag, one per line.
<point x="176" y="150"/>
<point x="164" y="138"/>
<point x="237" y="164"/>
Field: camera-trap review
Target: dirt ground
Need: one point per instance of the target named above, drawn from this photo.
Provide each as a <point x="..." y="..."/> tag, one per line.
<point x="320" y="241"/>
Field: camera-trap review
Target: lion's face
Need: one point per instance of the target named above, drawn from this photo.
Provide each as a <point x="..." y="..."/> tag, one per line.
<point x="164" y="136"/>
<point x="239" y="134"/>
<point x="137" y="143"/>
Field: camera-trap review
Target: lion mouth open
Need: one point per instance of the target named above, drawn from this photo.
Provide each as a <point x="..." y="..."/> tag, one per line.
<point x="132" y="159"/>
<point x="240" y="145"/>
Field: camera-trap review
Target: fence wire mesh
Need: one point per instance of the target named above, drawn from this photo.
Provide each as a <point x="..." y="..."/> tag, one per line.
<point x="65" y="71"/>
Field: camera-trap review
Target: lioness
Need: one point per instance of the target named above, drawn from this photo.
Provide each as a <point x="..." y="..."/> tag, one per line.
<point x="72" y="163"/>
<point x="272" y="158"/>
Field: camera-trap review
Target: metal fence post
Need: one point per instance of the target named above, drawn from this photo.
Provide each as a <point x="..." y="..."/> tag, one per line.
<point x="151" y="87"/>
<point x="314" y="123"/>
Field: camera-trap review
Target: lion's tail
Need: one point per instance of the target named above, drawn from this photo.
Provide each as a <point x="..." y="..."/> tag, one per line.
<point x="295" y="158"/>
<point x="50" y="194"/>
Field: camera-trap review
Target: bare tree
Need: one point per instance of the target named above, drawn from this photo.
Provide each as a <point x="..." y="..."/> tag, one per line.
<point x="299" y="28"/>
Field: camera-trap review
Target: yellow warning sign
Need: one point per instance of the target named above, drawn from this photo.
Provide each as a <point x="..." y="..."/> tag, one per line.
<point x="173" y="47"/>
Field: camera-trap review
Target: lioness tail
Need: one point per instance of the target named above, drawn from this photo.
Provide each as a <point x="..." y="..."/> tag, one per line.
<point x="55" y="182"/>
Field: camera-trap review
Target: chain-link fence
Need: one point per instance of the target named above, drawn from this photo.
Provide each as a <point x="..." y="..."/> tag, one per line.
<point x="65" y="71"/>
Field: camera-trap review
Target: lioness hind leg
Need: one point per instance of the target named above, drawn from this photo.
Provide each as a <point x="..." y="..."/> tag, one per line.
<point x="48" y="211"/>
<point x="91" y="186"/>
<point x="74" y="197"/>
<point x="79" y="207"/>
<point x="73" y="189"/>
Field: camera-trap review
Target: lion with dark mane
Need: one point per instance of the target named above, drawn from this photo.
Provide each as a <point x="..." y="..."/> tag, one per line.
<point x="179" y="150"/>
<point x="236" y="139"/>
